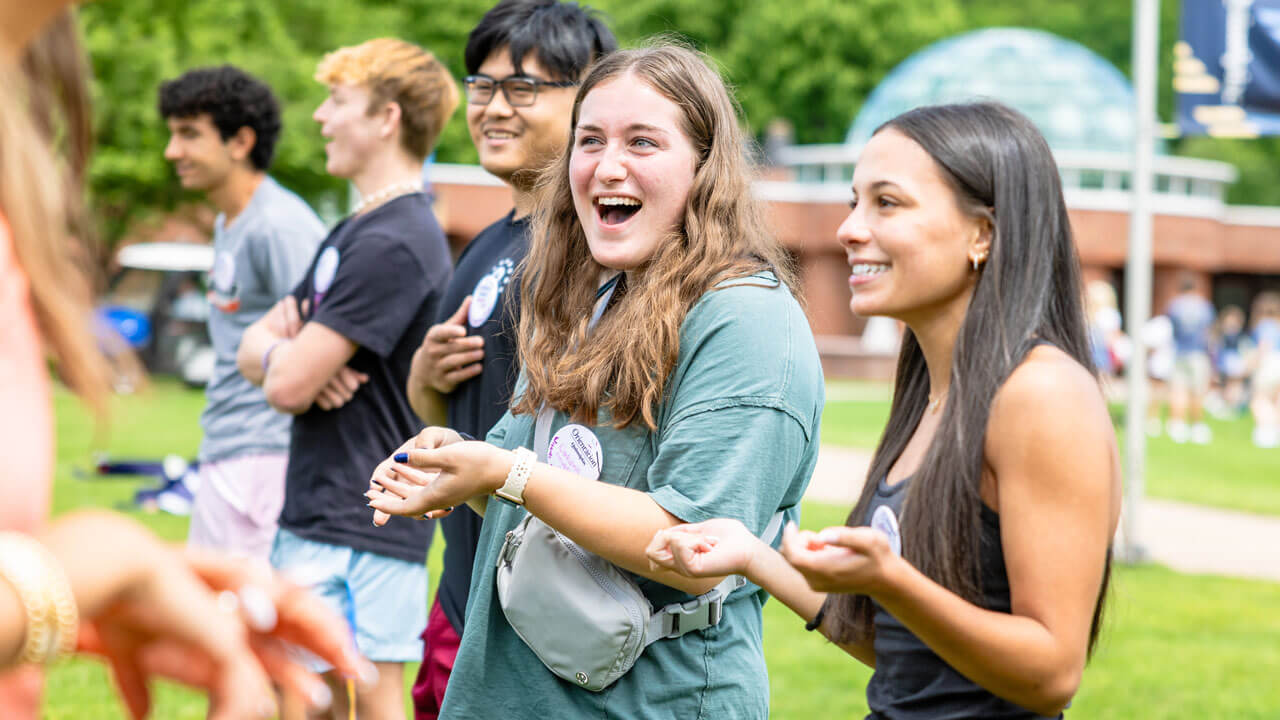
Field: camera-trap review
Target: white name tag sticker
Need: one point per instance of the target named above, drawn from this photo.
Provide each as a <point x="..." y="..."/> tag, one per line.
<point x="326" y="270"/>
<point x="224" y="273"/>
<point x="886" y="522"/>
<point x="576" y="449"/>
<point x="483" y="299"/>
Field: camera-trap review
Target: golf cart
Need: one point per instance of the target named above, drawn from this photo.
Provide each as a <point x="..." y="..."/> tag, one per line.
<point x="156" y="304"/>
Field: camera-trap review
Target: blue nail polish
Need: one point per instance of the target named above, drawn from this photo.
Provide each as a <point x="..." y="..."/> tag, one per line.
<point x="401" y="457"/>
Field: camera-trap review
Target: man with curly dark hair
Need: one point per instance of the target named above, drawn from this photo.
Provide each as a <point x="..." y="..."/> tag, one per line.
<point x="223" y="126"/>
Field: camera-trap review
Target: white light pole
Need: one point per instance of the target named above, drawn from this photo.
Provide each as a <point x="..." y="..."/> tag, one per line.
<point x="1137" y="301"/>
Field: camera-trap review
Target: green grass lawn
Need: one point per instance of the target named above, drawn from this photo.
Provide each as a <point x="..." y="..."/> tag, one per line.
<point x="1175" y="646"/>
<point x="1228" y="473"/>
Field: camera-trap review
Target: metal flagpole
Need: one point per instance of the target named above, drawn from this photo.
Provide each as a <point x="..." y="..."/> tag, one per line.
<point x="1146" y="18"/>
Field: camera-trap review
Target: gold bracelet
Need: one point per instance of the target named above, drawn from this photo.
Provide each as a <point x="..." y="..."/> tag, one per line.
<point x="52" y="617"/>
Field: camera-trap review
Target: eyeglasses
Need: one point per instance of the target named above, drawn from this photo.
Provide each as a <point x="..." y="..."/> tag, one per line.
<point x="520" y="91"/>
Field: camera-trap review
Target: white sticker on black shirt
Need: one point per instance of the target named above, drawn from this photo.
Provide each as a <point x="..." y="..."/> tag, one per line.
<point x="326" y="269"/>
<point x="485" y="296"/>
<point x="886" y="522"/>
<point x="483" y="299"/>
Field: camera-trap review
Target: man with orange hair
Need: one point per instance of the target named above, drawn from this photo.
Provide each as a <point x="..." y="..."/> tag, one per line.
<point x="370" y="294"/>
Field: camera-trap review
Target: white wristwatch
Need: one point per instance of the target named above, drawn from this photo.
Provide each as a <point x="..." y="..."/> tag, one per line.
<point x="513" y="490"/>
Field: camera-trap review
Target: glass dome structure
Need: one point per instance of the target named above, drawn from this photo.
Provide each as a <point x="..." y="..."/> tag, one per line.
<point x="1079" y="101"/>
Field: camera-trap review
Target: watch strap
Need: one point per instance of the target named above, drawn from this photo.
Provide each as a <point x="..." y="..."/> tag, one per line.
<point x="513" y="489"/>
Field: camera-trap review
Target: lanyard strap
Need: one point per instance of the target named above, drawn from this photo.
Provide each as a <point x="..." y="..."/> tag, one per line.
<point x="675" y="619"/>
<point x="542" y="429"/>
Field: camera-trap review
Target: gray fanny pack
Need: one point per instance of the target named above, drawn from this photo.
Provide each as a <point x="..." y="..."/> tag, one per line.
<point x="584" y="618"/>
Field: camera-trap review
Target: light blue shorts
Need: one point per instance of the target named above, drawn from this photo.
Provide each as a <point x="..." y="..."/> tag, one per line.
<point x="383" y="599"/>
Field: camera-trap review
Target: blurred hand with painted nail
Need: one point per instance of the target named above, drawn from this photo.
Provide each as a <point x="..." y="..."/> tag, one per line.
<point x="199" y="618"/>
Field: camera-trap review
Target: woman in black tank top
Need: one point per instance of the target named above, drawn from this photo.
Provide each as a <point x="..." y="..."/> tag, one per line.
<point x="972" y="571"/>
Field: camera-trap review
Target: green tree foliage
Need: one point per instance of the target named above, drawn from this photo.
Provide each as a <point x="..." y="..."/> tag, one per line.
<point x="1257" y="160"/>
<point x="134" y="46"/>
<point x="812" y="62"/>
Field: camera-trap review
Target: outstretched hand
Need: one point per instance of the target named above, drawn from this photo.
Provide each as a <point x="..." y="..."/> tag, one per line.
<point x="410" y="469"/>
<point x="276" y="609"/>
<point x="433" y="480"/>
<point x="839" y="559"/>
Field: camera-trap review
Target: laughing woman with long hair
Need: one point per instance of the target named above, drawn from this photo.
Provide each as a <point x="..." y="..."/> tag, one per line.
<point x="678" y="375"/>
<point x="977" y="590"/>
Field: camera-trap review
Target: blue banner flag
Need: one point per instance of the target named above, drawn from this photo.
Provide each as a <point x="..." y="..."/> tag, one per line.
<point x="1226" y="68"/>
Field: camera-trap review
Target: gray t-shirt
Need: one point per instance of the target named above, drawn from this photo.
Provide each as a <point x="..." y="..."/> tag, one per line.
<point x="259" y="258"/>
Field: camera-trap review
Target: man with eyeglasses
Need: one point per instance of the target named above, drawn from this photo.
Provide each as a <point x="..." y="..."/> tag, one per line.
<point x="525" y="60"/>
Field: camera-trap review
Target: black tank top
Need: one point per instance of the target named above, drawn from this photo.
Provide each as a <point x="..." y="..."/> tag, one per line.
<point x="910" y="681"/>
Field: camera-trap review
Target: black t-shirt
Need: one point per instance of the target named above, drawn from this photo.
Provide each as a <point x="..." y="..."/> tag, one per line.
<point x="910" y="681"/>
<point x="376" y="280"/>
<point x="484" y="272"/>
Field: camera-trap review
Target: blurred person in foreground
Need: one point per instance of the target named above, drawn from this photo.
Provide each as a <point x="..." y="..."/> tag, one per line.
<point x="525" y="60"/>
<point x="98" y="582"/>
<point x="223" y="127"/>
<point x="369" y="296"/>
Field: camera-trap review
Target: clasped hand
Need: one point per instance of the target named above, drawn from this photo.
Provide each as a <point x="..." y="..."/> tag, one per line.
<point x="434" y="472"/>
<point x="286" y="319"/>
<point x="837" y="559"/>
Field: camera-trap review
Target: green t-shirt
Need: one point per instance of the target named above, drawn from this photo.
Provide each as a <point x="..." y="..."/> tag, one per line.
<point x="737" y="437"/>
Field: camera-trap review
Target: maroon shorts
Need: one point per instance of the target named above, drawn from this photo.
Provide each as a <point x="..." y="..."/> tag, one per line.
<point x="439" y="650"/>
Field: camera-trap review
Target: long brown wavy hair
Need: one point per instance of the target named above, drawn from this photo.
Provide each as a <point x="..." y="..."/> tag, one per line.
<point x="45" y="140"/>
<point x="623" y="366"/>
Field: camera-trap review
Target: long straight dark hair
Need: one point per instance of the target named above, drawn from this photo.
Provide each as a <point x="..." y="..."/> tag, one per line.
<point x="999" y="167"/>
